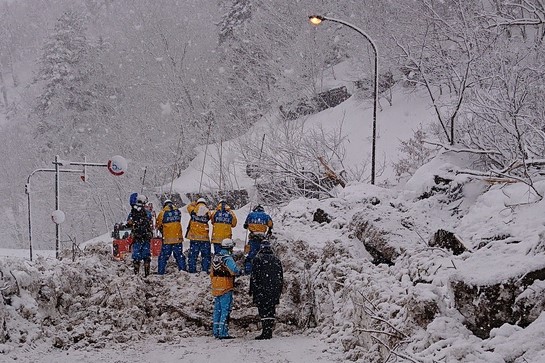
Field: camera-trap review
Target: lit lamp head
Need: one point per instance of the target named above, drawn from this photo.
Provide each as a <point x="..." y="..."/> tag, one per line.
<point x="315" y="19"/>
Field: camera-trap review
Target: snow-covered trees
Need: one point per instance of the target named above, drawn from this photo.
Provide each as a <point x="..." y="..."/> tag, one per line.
<point x="64" y="67"/>
<point x="75" y="100"/>
<point x="237" y="12"/>
<point x="520" y="14"/>
<point x="291" y="160"/>
<point x="482" y="66"/>
<point x="504" y="111"/>
<point x="443" y="56"/>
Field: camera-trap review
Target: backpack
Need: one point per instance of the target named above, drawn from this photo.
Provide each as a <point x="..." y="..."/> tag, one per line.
<point x="141" y="228"/>
<point x="219" y="268"/>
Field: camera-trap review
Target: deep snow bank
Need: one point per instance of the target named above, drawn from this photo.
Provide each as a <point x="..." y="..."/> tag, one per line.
<point x="406" y="311"/>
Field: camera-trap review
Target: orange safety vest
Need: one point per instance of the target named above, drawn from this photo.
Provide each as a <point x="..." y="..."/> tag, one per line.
<point x="169" y="221"/>
<point x="223" y="221"/>
<point x="222" y="278"/>
<point x="198" y="229"/>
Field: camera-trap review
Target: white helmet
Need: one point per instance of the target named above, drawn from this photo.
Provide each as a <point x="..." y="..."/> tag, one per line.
<point x="142" y="199"/>
<point x="228" y="243"/>
<point x="201" y="200"/>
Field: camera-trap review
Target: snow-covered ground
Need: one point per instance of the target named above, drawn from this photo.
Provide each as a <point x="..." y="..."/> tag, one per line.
<point x="4" y="252"/>
<point x="298" y="348"/>
<point x="337" y="305"/>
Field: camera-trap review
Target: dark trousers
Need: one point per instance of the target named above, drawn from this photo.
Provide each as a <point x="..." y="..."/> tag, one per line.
<point x="266" y="311"/>
<point x="196" y="248"/>
<point x="167" y="250"/>
<point x="267" y="314"/>
<point x="141" y="251"/>
<point x="217" y="248"/>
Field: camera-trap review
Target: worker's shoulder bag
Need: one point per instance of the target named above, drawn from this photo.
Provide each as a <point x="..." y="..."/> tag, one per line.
<point x="219" y="267"/>
<point x="141" y="229"/>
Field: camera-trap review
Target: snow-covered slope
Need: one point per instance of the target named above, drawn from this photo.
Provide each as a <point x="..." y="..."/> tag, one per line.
<point x="352" y="118"/>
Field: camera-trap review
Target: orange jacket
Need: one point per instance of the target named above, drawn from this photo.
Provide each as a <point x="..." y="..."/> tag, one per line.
<point x="223" y="221"/>
<point x="198" y="229"/>
<point x="223" y="272"/>
<point x="222" y="284"/>
<point x="169" y="222"/>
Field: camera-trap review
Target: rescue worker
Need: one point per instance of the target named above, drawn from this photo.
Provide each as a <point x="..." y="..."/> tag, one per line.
<point x="223" y="221"/>
<point x="169" y="223"/>
<point x="260" y="226"/>
<point x="266" y="282"/>
<point x="143" y="201"/>
<point x="140" y="222"/>
<point x="198" y="233"/>
<point x="222" y="276"/>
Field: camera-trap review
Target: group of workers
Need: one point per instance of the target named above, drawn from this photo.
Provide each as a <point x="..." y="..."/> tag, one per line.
<point x="263" y="267"/>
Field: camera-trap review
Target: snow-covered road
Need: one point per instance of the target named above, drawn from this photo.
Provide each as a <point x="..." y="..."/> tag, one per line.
<point x="189" y="350"/>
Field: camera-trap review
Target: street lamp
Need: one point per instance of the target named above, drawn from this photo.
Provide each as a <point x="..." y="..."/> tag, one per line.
<point x="317" y="20"/>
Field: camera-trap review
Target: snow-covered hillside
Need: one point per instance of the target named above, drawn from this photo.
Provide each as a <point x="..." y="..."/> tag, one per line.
<point x="352" y="119"/>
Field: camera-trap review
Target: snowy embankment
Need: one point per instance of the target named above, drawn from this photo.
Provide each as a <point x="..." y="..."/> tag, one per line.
<point x="405" y="311"/>
<point x="93" y="308"/>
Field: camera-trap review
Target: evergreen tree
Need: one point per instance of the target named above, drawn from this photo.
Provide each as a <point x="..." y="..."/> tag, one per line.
<point x="77" y="98"/>
<point x="63" y="67"/>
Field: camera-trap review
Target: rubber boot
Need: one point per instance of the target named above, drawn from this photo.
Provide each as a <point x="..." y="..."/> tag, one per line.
<point x="267" y="326"/>
<point x="136" y="265"/>
<point x="146" y="268"/>
<point x="260" y="336"/>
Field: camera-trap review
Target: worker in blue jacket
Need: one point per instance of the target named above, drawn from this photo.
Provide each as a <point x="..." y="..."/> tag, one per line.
<point x="259" y="224"/>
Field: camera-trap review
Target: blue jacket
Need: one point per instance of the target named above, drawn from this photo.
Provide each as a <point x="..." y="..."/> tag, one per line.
<point x="258" y="222"/>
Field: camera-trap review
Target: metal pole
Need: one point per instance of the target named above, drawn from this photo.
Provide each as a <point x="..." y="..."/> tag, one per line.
<point x="205" y="152"/>
<point x="27" y="186"/>
<point x="57" y="170"/>
<point x="57" y="225"/>
<point x="143" y="180"/>
<point x="375" y="92"/>
<point x="84" y="163"/>
<point x="375" y="103"/>
<point x="221" y="163"/>
<point x="27" y="191"/>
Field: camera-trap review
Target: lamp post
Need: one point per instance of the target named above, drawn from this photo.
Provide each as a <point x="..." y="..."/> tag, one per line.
<point x="317" y="20"/>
